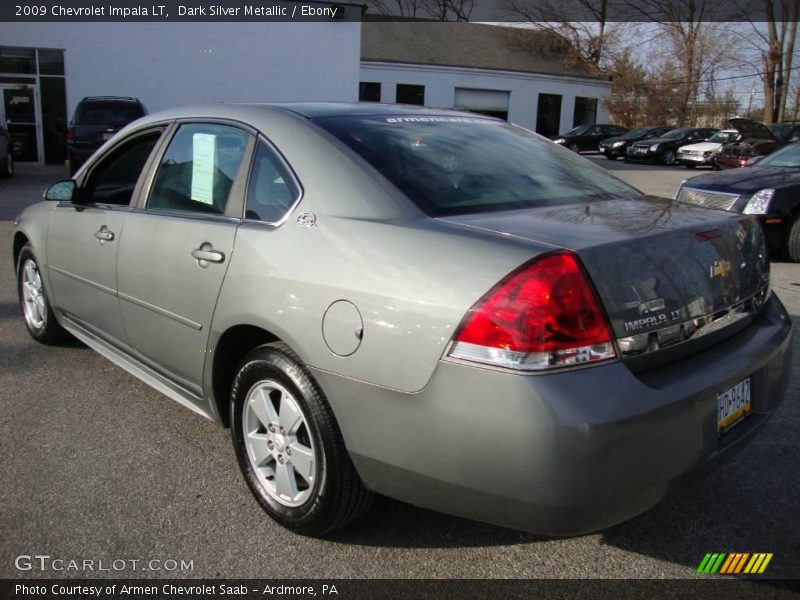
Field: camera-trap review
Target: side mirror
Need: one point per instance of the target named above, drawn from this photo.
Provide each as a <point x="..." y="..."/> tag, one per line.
<point x="63" y="191"/>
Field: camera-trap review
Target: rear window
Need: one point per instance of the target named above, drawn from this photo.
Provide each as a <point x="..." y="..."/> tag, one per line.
<point x="108" y="113"/>
<point x="454" y="165"/>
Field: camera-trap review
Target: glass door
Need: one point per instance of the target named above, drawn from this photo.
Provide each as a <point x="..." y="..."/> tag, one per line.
<point x="19" y="114"/>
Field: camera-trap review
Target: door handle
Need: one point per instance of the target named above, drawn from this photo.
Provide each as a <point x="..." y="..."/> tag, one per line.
<point x="104" y="234"/>
<point x="205" y="254"/>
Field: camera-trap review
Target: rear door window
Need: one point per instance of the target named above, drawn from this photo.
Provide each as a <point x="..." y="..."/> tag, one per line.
<point x="198" y="168"/>
<point x="108" y="113"/>
<point x="272" y="190"/>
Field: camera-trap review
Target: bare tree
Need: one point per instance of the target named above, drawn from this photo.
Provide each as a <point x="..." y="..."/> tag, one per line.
<point x="584" y="24"/>
<point x="402" y="8"/>
<point x="776" y="57"/>
<point x="440" y="10"/>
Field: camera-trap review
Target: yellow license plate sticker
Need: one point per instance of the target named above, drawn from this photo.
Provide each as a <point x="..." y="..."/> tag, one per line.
<point x="733" y="405"/>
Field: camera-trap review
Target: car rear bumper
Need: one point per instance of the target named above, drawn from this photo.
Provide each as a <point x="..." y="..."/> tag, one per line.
<point x="693" y="160"/>
<point x="563" y="453"/>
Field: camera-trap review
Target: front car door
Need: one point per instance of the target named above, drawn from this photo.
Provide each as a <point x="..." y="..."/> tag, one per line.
<point x="84" y="235"/>
<point x="178" y="245"/>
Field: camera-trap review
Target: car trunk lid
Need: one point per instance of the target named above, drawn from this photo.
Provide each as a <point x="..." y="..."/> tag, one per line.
<point x="663" y="269"/>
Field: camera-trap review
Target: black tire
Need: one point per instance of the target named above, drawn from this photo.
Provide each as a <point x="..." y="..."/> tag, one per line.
<point x="625" y="159"/>
<point x="575" y="147"/>
<point x="611" y="156"/>
<point x="668" y="157"/>
<point x="8" y="166"/>
<point x="793" y="241"/>
<point x="50" y="331"/>
<point x="689" y="165"/>
<point x="74" y="165"/>
<point x="337" y="496"/>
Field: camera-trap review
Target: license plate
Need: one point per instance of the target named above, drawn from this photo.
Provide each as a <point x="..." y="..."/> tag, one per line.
<point x="107" y="136"/>
<point x="733" y="405"/>
<point x="602" y="149"/>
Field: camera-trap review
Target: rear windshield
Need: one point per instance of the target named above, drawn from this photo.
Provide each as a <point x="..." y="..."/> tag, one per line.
<point x="108" y="112"/>
<point x="454" y="165"/>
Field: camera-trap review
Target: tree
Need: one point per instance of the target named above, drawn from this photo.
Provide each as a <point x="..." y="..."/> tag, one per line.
<point x="590" y="37"/>
<point x="440" y="10"/>
<point x="778" y="55"/>
<point x="629" y="82"/>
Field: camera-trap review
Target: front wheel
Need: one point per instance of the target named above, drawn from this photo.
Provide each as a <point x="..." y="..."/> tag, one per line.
<point x="690" y="166"/>
<point x="611" y="156"/>
<point x="668" y="158"/>
<point x="575" y="147"/>
<point x="36" y="310"/>
<point x="289" y="446"/>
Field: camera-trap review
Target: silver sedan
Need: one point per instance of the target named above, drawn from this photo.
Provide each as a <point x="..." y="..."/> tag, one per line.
<point x="432" y="305"/>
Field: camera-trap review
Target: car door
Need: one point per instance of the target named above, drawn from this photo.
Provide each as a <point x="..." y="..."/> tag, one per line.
<point x="178" y="244"/>
<point x="591" y="141"/>
<point x="84" y="236"/>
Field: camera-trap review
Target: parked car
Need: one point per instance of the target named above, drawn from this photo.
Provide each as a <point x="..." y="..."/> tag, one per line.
<point x="664" y="149"/>
<point x="756" y="140"/>
<point x="586" y="138"/>
<point x="96" y="120"/>
<point x="786" y="132"/>
<point x="702" y="153"/>
<point x="769" y="189"/>
<point x="613" y="148"/>
<point x="427" y="304"/>
<point x="6" y="159"/>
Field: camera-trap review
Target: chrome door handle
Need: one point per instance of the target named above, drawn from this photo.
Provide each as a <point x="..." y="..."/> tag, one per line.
<point x="214" y="256"/>
<point x="104" y="234"/>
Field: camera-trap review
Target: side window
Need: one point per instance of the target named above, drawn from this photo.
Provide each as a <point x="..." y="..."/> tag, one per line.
<point x="271" y="192"/>
<point x="113" y="179"/>
<point x="198" y="169"/>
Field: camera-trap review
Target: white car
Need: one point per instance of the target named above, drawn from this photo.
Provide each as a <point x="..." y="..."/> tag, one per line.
<point x="703" y="153"/>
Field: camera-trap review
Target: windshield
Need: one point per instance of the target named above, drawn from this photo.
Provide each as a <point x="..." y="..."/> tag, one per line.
<point x="577" y="130"/>
<point x="636" y="133"/>
<point x="113" y="113"/>
<point x="453" y="165"/>
<point x="723" y="137"/>
<point x="785" y="157"/>
<point x="675" y="134"/>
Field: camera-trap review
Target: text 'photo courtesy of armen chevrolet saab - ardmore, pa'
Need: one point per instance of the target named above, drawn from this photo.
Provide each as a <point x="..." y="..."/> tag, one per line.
<point x="418" y="295"/>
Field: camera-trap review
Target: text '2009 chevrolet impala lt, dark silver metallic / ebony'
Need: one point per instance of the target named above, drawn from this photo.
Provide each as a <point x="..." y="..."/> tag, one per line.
<point x="432" y="305"/>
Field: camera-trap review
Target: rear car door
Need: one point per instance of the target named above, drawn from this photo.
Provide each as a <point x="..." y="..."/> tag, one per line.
<point x="84" y="236"/>
<point x="178" y="245"/>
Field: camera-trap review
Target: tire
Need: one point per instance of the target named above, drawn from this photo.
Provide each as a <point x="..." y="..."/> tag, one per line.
<point x="668" y="157"/>
<point x="8" y="167"/>
<point x="575" y="147"/>
<point x="793" y="241"/>
<point x="37" y="313"/>
<point x="74" y="165"/>
<point x="625" y="159"/>
<point x="611" y="156"/>
<point x="330" y="495"/>
<point x="689" y="166"/>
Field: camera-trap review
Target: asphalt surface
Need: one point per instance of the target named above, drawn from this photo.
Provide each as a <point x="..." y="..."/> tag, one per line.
<point x="98" y="466"/>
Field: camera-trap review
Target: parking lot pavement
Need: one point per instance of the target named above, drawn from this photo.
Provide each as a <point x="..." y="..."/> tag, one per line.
<point x="97" y="465"/>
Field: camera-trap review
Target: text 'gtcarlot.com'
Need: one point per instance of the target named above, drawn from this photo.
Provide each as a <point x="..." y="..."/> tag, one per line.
<point x="44" y="562"/>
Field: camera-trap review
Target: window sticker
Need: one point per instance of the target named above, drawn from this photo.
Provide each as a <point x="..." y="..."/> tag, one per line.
<point x="204" y="154"/>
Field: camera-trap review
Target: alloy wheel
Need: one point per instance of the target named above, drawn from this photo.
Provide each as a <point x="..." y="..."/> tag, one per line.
<point x="279" y="443"/>
<point x="33" y="295"/>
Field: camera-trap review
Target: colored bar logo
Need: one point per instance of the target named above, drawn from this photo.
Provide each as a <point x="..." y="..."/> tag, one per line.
<point x="734" y="563"/>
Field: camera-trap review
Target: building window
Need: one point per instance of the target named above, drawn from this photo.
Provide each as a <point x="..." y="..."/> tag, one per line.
<point x="369" y="91"/>
<point x="548" y="115"/>
<point x="585" y="111"/>
<point x="17" y="60"/>
<point x="51" y="62"/>
<point x="410" y="94"/>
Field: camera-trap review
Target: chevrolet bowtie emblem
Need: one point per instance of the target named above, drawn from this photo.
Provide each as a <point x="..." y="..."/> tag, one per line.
<point x="720" y="268"/>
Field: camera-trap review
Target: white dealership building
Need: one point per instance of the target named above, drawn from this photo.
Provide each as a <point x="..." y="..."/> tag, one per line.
<point x="47" y="68"/>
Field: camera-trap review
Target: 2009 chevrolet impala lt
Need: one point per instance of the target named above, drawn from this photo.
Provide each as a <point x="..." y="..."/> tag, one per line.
<point x="432" y="305"/>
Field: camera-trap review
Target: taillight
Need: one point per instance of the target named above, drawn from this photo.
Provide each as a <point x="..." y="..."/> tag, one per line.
<point x="70" y="134"/>
<point x="543" y="315"/>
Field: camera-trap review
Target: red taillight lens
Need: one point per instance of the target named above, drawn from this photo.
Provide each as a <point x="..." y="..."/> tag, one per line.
<point x="70" y="134"/>
<point x="542" y="315"/>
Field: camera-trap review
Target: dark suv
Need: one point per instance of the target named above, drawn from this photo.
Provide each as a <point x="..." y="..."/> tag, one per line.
<point x="96" y="120"/>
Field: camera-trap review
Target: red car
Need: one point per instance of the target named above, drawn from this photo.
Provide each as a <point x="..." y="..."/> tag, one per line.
<point x="757" y="140"/>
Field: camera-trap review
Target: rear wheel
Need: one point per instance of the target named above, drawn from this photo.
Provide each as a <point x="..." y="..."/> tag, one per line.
<point x="289" y="446"/>
<point x="36" y="310"/>
<point x="793" y="241"/>
<point x="611" y="156"/>
<point x="690" y="165"/>
<point x="668" y="158"/>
